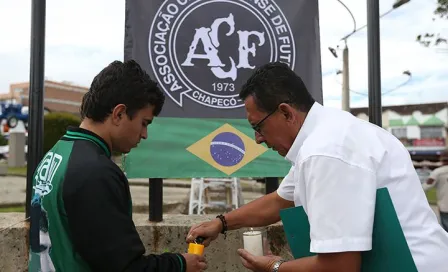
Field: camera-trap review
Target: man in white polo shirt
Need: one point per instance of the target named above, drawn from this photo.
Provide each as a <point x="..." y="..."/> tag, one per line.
<point x="338" y="162"/>
<point x="439" y="179"/>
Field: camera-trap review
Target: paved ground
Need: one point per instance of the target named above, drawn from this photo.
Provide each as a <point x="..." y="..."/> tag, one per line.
<point x="12" y="192"/>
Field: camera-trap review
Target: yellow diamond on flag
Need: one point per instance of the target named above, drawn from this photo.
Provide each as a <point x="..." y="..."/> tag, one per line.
<point x="227" y="149"/>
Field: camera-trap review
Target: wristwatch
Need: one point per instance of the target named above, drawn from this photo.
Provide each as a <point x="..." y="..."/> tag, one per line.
<point x="276" y="265"/>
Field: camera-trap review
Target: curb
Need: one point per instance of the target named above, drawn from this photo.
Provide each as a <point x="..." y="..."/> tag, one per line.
<point x="188" y="186"/>
<point x="13" y="175"/>
<point x="12" y="204"/>
<point x="169" y="184"/>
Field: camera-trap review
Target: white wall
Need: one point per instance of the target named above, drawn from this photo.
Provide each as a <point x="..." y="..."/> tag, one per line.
<point x="413" y="132"/>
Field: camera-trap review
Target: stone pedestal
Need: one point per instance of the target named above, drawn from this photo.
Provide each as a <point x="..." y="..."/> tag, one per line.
<point x="16" y="149"/>
<point x="3" y="169"/>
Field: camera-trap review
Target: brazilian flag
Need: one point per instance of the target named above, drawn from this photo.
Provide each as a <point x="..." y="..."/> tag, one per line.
<point x="190" y="147"/>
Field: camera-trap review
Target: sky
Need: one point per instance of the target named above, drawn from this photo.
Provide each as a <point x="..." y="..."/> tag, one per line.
<point x="84" y="36"/>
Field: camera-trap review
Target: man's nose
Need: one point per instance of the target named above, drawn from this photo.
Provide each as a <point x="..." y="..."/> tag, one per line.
<point x="144" y="134"/>
<point x="259" y="139"/>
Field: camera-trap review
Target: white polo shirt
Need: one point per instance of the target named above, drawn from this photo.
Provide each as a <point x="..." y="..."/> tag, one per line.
<point x="440" y="177"/>
<point x="338" y="163"/>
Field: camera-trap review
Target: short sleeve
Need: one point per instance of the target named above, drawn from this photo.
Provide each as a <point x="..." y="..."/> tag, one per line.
<point x="340" y="201"/>
<point x="286" y="188"/>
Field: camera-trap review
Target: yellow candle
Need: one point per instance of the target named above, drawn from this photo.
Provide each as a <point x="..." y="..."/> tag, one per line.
<point x="197" y="249"/>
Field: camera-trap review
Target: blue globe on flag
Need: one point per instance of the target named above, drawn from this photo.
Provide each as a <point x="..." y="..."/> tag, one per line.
<point x="227" y="149"/>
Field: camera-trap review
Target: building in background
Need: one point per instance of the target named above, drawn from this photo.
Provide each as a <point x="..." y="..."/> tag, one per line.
<point x="422" y="128"/>
<point x="58" y="96"/>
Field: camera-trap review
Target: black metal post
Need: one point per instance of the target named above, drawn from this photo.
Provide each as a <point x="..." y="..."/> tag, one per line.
<point x="36" y="95"/>
<point x="374" y="60"/>
<point x="271" y="185"/>
<point x="155" y="199"/>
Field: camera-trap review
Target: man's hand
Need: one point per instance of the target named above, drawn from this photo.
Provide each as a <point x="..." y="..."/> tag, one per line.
<point x="209" y="230"/>
<point x="257" y="263"/>
<point x="263" y="211"/>
<point x="195" y="263"/>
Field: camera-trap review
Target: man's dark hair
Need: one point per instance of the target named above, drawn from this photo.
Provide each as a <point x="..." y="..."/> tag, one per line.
<point x="121" y="83"/>
<point x="275" y="83"/>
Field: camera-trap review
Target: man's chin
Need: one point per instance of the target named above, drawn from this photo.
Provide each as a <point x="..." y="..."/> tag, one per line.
<point x="281" y="152"/>
<point x="123" y="151"/>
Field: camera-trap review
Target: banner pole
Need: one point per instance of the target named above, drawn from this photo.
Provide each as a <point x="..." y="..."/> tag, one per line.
<point x="271" y="185"/>
<point x="374" y="61"/>
<point x="155" y="199"/>
<point x="36" y="96"/>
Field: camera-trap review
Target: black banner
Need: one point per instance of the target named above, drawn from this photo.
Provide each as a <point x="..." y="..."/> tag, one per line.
<point x="201" y="52"/>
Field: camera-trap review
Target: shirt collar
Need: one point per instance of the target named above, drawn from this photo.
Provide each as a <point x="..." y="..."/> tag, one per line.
<point x="84" y="134"/>
<point x="310" y="123"/>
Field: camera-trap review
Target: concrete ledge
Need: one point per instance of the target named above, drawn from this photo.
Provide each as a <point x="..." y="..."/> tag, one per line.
<point x="168" y="235"/>
<point x="13" y="243"/>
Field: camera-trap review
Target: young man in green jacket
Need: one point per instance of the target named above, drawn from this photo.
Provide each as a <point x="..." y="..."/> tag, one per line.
<point x="81" y="216"/>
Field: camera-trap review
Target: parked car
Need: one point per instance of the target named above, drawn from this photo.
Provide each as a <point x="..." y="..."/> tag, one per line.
<point x="13" y="113"/>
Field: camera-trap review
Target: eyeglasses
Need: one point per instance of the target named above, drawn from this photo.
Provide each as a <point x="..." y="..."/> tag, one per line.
<point x="257" y="126"/>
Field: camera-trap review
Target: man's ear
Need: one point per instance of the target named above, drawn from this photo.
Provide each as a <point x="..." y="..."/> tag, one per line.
<point x="118" y="113"/>
<point x="287" y="111"/>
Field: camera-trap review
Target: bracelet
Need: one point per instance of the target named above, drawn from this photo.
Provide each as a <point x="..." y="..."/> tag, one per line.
<point x="224" y="225"/>
<point x="276" y="265"/>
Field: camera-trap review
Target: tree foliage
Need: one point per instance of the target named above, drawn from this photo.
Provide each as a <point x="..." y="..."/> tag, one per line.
<point x="3" y="140"/>
<point x="435" y="39"/>
<point x="55" y="125"/>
